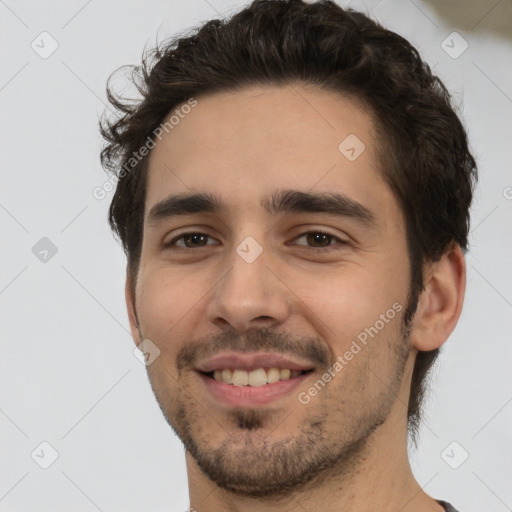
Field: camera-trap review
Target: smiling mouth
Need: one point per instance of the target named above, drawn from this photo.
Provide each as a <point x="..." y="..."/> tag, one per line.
<point x="255" y="378"/>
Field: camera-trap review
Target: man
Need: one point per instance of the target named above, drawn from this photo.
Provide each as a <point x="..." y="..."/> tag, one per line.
<point x="293" y="199"/>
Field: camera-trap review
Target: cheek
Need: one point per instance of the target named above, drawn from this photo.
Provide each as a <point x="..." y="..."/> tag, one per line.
<point x="344" y="302"/>
<point x="164" y="298"/>
<point x="339" y="302"/>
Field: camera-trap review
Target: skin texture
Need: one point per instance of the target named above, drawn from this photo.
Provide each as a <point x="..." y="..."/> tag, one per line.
<point x="347" y="446"/>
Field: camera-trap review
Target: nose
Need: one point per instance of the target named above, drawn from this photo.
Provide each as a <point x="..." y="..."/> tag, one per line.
<point x="249" y="296"/>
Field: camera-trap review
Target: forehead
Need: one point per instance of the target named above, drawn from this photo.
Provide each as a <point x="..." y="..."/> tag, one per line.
<point x="244" y="145"/>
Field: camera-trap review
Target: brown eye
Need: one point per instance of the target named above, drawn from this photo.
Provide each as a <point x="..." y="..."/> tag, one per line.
<point x="320" y="240"/>
<point x="190" y="240"/>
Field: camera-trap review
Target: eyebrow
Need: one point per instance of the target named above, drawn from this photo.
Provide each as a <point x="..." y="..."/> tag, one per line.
<point x="280" y="201"/>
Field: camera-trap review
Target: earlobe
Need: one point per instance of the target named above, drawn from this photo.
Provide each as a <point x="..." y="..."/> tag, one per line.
<point x="440" y="303"/>
<point x="132" y="313"/>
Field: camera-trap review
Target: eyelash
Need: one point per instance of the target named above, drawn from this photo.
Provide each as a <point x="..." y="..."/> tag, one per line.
<point x="316" y="232"/>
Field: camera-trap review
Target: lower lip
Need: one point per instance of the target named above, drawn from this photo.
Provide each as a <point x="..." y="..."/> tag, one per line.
<point x="250" y="396"/>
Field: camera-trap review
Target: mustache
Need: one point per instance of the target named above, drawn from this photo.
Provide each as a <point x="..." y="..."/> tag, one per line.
<point x="310" y="348"/>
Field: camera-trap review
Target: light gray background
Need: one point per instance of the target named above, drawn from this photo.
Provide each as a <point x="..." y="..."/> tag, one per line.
<point x="68" y="375"/>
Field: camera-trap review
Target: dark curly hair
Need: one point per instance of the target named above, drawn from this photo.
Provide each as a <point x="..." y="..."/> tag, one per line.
<point x="422" y="145"/>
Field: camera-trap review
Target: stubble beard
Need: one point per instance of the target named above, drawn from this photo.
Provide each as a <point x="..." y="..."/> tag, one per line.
<point x="249" y="463"/>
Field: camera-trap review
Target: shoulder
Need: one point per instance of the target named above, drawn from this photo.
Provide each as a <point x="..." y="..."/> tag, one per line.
<point x="447" y="506"/>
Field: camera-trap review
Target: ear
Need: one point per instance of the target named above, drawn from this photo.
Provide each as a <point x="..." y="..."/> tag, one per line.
<point x="132" y="313"/>
<point x="440" y="303"/>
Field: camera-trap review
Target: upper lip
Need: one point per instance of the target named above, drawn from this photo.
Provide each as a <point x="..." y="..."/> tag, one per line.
<point x="249" y="362"/>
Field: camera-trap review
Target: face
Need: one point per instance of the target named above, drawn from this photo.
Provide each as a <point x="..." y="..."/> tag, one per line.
<point x="264" y="270"/>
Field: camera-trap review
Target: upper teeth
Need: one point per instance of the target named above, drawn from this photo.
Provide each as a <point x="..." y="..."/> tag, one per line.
<point x="257" y="377"/>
